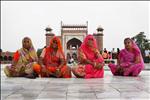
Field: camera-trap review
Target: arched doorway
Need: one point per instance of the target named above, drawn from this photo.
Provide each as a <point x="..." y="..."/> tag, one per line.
<point x="73" y="44"/>
<point x="72" y="47"/>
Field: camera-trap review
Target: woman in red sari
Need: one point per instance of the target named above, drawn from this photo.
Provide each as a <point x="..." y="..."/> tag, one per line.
<point x="53" y="61"/>
<point x="90" y="61"/>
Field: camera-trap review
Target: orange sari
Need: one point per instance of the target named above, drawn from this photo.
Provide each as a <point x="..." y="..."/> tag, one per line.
<point x="53" y="61"/>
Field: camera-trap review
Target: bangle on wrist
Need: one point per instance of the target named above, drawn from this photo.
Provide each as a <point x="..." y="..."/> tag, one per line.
<point x="94" y="64"/>
<point x="42" y="65"/>
<point x="58" y="69"/>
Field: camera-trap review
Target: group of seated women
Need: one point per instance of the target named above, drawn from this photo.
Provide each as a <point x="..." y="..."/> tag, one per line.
<point x="52" y="62"/>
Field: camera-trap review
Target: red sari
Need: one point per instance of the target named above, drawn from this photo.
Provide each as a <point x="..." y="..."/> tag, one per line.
<point x="53" y="61"/>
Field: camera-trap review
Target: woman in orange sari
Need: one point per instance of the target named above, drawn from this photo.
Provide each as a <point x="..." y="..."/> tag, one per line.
<point x="53" y="61"/>
<point x="90" y="61"/>
<point x="25" y="61"/>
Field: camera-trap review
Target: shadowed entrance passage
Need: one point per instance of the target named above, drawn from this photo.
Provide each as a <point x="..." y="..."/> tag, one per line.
<point x="73" y="44"/>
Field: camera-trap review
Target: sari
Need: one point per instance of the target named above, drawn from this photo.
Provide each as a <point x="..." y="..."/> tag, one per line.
<point x="84" y="70"/>
<point x="127" y="65"/>
<point x="24" y="62"/>
<point x="53" y="61"/>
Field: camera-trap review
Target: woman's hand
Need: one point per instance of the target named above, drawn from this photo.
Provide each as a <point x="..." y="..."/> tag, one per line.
<point x="44" y="70"/>
<point x="96" y="52"/>
<point x="53" y="65"/>
<point x="12" y="69"/>
<point x="58" y="72"/>
<point x="126" y="64"/>
<point x="99" y="65"/>
<point x="120" y="69"/>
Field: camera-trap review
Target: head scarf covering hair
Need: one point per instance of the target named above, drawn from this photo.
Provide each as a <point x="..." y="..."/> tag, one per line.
<point x="25" y="54"/>
<point x="30" y="42"/>
<point x="58" y="43"/>
<point x="88" y="51"/>
<point x="84" y="45"/>
<point x="48" y="53"/>
<point x="51" y="49"/>
<point x="135" y="49"/>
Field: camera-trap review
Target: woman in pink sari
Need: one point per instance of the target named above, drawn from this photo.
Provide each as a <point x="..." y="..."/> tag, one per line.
<point x="90" y="61"/>
<point x="130" y="61"/>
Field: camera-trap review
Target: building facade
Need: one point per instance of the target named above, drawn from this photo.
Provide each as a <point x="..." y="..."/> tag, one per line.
<point x="72" y="36"/>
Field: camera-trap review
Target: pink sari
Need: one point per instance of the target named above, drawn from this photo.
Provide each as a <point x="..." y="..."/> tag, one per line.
<point x="84" y="52"/>
<point x="127" y="65"/>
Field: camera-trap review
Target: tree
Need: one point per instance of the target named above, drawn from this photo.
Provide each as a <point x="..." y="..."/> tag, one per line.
<point x="39" y="51"/>
<point x="142" y="42"/>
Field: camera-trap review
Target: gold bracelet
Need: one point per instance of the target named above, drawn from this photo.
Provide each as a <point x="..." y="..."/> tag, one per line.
<point x="58" y="69"/>
<point x="94" y="64"/>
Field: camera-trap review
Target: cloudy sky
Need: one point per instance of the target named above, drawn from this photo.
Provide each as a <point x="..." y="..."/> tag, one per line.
<point x="30" y="18"/>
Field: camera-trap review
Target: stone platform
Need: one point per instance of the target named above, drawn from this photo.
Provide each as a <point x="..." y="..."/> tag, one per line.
<point x="108" y="88"/>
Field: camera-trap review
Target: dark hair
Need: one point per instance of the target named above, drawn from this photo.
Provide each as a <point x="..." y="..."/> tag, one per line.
<point x="127" y="39"/>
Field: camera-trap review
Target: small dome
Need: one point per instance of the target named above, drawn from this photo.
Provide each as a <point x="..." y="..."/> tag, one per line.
<point x="48" y="29"/>
<point x="99" y="28"/>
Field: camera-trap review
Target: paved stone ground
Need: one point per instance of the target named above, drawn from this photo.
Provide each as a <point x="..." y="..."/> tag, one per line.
<point x="107" y="88"/>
